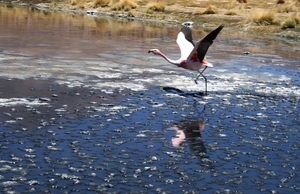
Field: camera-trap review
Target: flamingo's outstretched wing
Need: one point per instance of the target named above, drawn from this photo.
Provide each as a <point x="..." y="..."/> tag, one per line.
<point x="203" y="45"/>
<point x="185" y="42"/>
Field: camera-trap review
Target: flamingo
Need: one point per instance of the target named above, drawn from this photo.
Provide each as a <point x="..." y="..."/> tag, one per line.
<point x="192" y="56"/>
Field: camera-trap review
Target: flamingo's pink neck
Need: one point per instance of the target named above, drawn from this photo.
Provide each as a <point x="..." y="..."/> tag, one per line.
<point x="175" y="62"/>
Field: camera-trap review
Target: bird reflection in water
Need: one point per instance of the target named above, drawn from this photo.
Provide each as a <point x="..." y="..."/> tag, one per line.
<point x="189" y="129"/>
<point x="189" y="132"/>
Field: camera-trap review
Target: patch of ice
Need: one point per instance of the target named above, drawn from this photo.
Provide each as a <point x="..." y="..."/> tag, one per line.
<point x="9" y="183"/>
<point x="8" y="102"/>
<point x="60" y="110"/>
<point x="134" y="87"/>
<point x="159" y="105"/>
<point x="140" y="135"/>
<point x="11" y="122"/>
<point x="111" y="75"/>
<point x="118" y="108"/>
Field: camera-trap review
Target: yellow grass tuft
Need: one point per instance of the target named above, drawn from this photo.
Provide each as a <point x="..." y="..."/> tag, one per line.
<point x="280" y="1"/>
<point x="156" y="6"/>
<point x="198" y="12"/>
<point x="296" y="17"/>
<point x="101" y="3"/>
<point x="73" y="2"/>
<point x="78" y="3"/>
<point x="289" y="24"/>
<point x="125" y="5"/>
<point x="232" y="4"/>
<point x="286" y="8"/>
<point x="233" y="11"/>
<point x="263" y="17"/>
<point x="212" y="9"/>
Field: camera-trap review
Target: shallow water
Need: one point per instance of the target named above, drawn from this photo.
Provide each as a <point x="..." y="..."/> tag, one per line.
<point x="85" y="109"/>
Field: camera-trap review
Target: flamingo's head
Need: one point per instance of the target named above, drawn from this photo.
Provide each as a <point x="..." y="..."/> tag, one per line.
<point x="154" y="51"/>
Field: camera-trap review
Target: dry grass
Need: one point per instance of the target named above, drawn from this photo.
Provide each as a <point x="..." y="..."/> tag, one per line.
<point x="291" y="7"/>
<point x="231" y="5"/>
<point x="211" y="9"/>
<point x="255" y="13"/>
<point x="198" y="12"/>
<point x="233" y="11"/>
<point x="289" y="24"/>
<point x="125" y="5"/>
<point x="280" y="1"/>
<point x="80" y="4"/>
<point x="100" y="3"/>
<point x="262" y="16"/>
<point x="156" y="6"/>
<point x="74" y="2"/>
<point x="296" y="17"/>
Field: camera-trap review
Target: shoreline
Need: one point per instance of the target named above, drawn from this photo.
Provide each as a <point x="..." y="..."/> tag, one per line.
<point x="236" y="23"/>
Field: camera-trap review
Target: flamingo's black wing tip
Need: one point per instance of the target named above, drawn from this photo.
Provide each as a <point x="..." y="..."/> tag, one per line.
<point x="212" y="35"/>
<point x="187" y="34"/>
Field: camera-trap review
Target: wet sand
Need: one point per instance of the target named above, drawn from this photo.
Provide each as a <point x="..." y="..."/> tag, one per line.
<point x="85" y="109"/>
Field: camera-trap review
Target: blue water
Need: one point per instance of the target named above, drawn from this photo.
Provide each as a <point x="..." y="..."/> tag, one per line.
<point x="244" y="153"/>
<point x="112" y="113"/>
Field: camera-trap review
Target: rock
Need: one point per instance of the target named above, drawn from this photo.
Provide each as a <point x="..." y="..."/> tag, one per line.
<point x="188" y="24"/>
<point x="42" y="5"/>
<point x="92" y="12"/>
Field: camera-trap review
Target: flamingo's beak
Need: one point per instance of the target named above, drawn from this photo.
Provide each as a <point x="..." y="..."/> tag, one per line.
<point x="151" y="51"/>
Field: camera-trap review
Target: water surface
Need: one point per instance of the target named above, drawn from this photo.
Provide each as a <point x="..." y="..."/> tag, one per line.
<point x="85" y="109"/>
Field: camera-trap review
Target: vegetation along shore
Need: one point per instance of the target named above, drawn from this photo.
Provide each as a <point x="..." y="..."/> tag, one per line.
<point x="274" y="17"/>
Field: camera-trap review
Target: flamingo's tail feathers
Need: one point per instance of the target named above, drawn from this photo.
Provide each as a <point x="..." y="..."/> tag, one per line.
<point x="206" y="63"/>
<point x="209" y="64"/>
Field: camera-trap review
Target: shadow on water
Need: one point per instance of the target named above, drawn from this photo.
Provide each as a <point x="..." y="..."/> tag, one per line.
<point x="177" y="91"/>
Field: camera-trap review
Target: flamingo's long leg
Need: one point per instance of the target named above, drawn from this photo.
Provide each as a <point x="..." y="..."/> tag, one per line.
<point x="205" y="79"/>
